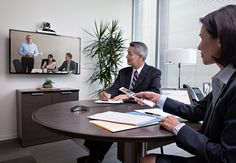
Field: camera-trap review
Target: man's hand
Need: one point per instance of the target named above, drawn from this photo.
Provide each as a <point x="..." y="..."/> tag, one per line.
<point x="154" y="97"/>
<point x="169" y="122"/>
<point x="121" y="97"/>
<point x="104" y="96"/>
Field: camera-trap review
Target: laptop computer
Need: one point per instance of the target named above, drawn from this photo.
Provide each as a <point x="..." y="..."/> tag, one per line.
<point x="179" y="94"/>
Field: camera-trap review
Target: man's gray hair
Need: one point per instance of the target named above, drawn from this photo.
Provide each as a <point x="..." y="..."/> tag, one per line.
<point x="140" y="48"/>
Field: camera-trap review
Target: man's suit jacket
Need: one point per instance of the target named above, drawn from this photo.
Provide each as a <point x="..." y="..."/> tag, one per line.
<point x="148" y="80"/>
<point x="73" y="66"/>
<point x="216" y="142"/>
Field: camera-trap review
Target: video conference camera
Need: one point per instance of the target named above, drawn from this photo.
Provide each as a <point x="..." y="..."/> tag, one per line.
<point x="46" y="25"/>
<point x="46" y="28"/>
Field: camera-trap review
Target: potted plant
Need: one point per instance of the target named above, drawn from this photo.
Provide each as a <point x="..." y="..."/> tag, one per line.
<point x="106" y="49"/>
<point x="48" y="83"/>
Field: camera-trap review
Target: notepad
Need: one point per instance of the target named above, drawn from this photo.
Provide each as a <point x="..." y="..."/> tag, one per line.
<point x="123" y="118"/>
<point x="110" y="101"/>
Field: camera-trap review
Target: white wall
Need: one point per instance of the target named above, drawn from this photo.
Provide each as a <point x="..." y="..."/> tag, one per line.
<point x="67" y="17"/>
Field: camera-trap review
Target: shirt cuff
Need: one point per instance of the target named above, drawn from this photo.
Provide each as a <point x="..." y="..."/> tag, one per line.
<point x="161" y="101"/>
<point x="177" y="128"/>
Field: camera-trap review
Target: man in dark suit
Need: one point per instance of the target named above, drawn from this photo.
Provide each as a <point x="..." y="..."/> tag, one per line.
<point x="138" y="77"/>
<point x="68" y="65"/>
<point x="148" y="77"/>
<point x="215" y="143"/>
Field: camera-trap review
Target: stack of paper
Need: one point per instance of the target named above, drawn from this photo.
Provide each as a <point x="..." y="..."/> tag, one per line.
<point x="124" y="118"/>
<point x="111" y="126"/>
<point x="116" y="121"/>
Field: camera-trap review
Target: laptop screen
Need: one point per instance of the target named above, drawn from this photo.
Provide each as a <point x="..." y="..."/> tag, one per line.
<point x="176" y="94"/>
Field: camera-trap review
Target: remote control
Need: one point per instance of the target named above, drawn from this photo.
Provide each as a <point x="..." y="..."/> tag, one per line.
<point x="132" y="94"/>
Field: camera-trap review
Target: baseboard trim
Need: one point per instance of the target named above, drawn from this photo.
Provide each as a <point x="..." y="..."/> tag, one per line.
<point x="8" y="137"/>
<point x="9" y="141"/>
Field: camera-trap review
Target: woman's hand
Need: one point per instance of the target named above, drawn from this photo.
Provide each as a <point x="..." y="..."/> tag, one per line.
<point x="169" y="122"/>
<point x="154" y="97"/>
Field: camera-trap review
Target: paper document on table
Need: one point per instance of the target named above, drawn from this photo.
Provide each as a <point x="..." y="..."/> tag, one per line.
<point x="157" y="112"/>
<point x="110" y="101"/>
<point x="177" y="94"/>
<point x="112" y="126"/>
<point x="124" y="118"/>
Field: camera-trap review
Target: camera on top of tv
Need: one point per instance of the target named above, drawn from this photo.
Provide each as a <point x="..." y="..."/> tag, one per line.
<point x="46" y="28"/>
<point x="46" y="25"/>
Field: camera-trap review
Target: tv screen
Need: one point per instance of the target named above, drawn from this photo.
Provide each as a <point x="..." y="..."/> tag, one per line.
<point x="43" y="53"/>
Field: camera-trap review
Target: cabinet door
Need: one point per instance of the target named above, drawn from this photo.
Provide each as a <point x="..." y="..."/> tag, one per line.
<point x="30" y="103"/>
<point x="65" y="96"/>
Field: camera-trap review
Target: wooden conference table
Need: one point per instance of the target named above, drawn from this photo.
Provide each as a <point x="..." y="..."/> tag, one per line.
<point x="60" y="119"/>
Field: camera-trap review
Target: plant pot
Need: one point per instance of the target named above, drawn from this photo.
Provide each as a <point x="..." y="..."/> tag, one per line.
<point x="47" y="85"/>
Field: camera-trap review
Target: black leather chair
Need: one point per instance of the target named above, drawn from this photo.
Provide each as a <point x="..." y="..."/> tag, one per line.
<point x="18" y="66"/>
<point x="42" y="62"/>
<point x="45" y="60"/>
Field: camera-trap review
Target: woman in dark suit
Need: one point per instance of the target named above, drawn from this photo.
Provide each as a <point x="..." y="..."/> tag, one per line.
<point x="216" y="141"/>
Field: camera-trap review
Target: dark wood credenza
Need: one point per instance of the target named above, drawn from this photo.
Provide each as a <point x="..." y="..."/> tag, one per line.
<point x="28" y="101"/>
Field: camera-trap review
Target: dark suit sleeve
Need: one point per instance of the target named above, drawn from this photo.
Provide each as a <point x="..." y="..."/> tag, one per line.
<point x="114" y="89"/>
<point x="205" y="148"/>
<point x="190" y="112"/>
<point x="155" y="83"/>
<point x="62" y="66"/>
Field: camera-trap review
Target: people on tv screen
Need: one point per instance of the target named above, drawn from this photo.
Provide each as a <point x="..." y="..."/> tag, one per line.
<point x="49" y="63"/>
<point x="28" y="50"/>
<point x="69" y="65"/>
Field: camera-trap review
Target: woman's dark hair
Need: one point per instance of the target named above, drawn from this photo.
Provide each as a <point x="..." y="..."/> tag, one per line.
<point x="221" y="24"/>
<point x="50" y="55"/>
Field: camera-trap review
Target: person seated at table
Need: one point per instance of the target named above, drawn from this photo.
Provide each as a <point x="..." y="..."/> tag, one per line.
<point x="215" y="142"/>
<point x="68" y="65"/>
<point x="49" y="63"/>
<point x="138" y="77"/>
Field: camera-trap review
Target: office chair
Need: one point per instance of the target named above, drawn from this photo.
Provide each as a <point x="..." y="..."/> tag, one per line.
<point x="42" y="62"/>
<point x="18" y="66"/>
<point x="45" y="60"/>
<point x="194" y="93"/>
<point x="76" y="67"/>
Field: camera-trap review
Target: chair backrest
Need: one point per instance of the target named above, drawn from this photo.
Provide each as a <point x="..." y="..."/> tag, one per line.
<point x="42" y="62"/>
<point x="194" y="92"/>
<point x="18" y="66"/>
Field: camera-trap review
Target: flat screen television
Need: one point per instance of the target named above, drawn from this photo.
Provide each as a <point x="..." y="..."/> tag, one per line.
<point x="43" y="53"/>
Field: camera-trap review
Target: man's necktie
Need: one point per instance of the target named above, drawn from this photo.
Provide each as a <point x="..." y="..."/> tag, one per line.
<point x="135" y="77"/>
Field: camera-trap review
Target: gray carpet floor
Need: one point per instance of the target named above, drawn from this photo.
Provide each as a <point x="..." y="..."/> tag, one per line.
<point x="67" y="151"/>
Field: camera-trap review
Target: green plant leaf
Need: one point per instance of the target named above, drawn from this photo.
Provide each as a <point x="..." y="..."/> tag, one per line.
<point x="106" y="49"/>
